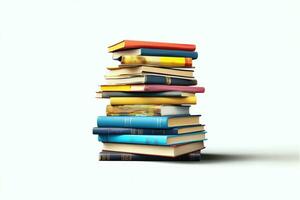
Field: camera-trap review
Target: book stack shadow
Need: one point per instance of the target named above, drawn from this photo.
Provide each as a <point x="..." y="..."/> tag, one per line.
<point x="151" y="92"/>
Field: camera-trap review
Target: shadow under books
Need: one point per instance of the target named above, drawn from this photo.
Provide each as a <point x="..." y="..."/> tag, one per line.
<point x="231" y="157"/>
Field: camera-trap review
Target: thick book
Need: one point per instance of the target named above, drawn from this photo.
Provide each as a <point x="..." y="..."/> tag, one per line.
<point x="158" y="150"/>
<point x="100" y="94"/>
<point x="153" y="100"/>
<point x="151" y="88"/>
<point x="141" y="69"/>
<point x="154" y="139"/>
<point x="148" y="122"/>
<point x="158" y="61"/>
<point x="134" y="44"/>
<point x="155" y="52"/>
<point x="119" y="156"/>
<point x="151" y="79"/>
<point x="146" y="131"/>
<point x="146" y="110"/>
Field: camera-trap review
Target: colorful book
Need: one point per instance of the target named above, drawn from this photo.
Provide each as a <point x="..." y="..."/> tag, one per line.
<point x="134" y="44"/>
<point x="154" y="139"/>
<point x="140" y="70"/>
<point x="119" y="156"/>
<point x="151" y="79"/>
<point x="153" y="100"/>
<point x="148" y="122"/>
<point x="151" y="88"/>
<point x="155" y="52"/>
<point x="146" y="131"/>
<point x="158" y="61"/>
<point x="158" y="150"/>
<point x="146" y="110"/>
<point x="100" y="94"/>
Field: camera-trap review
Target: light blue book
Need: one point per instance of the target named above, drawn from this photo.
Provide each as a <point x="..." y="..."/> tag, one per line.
<point x="157" y="122"/>
<point x="154" y="139"/>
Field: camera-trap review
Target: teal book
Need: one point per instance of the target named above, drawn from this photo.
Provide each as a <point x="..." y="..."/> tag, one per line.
<point x="154" y="139"/>
<point x="158" y="122"/>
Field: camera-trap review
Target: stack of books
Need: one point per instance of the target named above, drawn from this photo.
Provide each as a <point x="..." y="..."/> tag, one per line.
<point x="150" y="94"/>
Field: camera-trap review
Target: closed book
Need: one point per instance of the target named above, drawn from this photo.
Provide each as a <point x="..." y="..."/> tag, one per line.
<point x="159" y="61"/>
<point x="148" y="122"/>
<point x="143" y="94"/>
<point x="154" y="139"/>
<point x="146" y="110"/>
<point x="155" y="52"/>
<point x="153" y="100"/>
<point x="142" y="69"/>
<point x="119" y="156"/>
<point x="151" y="79"/>
<point x="146" y="131"/>
<point x="158" y="150"/>
<point x="151" y="88"/>
<point x="134" y="44"/>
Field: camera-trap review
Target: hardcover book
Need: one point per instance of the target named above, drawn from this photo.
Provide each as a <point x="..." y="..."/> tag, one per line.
<point x="155" y="52"/>
<point x="134" y="44"/>
<point x="154" y="139"/>
<point x="153" y="100"/>
<point x="146" y="131"/>
<point x="158" y="150"/>
<point x="119" y="156"/>
<point x="146" y="110"/>
<point x="151" y="79"/>
<point x="159" y="61"/>
<point x="148" y="122"/>
<point x="140" y="70"/>
<point x="151" y="88"/>
<point x="100" y="94"/>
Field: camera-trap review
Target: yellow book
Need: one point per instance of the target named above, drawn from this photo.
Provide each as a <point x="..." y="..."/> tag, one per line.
<point x="152" y="100"/>
<point x="155" y="60"/>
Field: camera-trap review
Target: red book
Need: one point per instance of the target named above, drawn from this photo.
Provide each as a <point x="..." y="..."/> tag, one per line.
<point x="151" y="88"/>
<point x="134" y="44"/>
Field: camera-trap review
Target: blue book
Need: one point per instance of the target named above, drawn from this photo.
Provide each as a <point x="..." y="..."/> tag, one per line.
<point x="155" y="52"/>
<point x="154" y="139"/>
<point x="156" y="122"/>
<point x="146" y="131"/>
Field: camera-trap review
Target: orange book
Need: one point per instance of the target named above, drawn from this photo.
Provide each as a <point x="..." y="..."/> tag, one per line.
<point x="134" y="44"/>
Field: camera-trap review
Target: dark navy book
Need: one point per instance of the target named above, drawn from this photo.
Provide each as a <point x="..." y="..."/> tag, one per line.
<point x="120" y="156"/>
<point x="156" y="52"/>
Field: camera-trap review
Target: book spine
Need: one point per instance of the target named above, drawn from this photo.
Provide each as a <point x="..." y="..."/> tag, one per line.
<point x="159" y="45"/>
<point x="151" y="79"/>
<point x="152" y="100"/>
<point x="141" y="94"/>
<point x="133" y="131"/>
<point x="134" y="139"/>
<point x="153" y="60"/>
<point x="134" y="110"/>
<point x="133" y="122"/>
<point x="119" y="156"/>
<point x="168" y="53"/>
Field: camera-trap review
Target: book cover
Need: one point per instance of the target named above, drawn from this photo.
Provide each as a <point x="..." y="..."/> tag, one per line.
<point x="147" y="122"/>
<point x="153" y="100"/>
<point x="134" y="44"/>
<point x="159" y="61"/>
<point x="119" y="156"/>
<point x="151" y="79"/>
<point x="154" y="139"/>
<point x="146" y="131"/>
<point x="155" y="52"/>
<point x="157" y="150"/>
<point x="152" y="88"/>
<point x="146" y="110"/>
<point x="143" y="94"/>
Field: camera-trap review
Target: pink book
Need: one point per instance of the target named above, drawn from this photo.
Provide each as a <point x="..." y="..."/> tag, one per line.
<point x="152" y="88"/>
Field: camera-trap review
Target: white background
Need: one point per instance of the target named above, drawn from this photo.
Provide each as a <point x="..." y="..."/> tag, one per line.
<point x="53" y="56"/>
